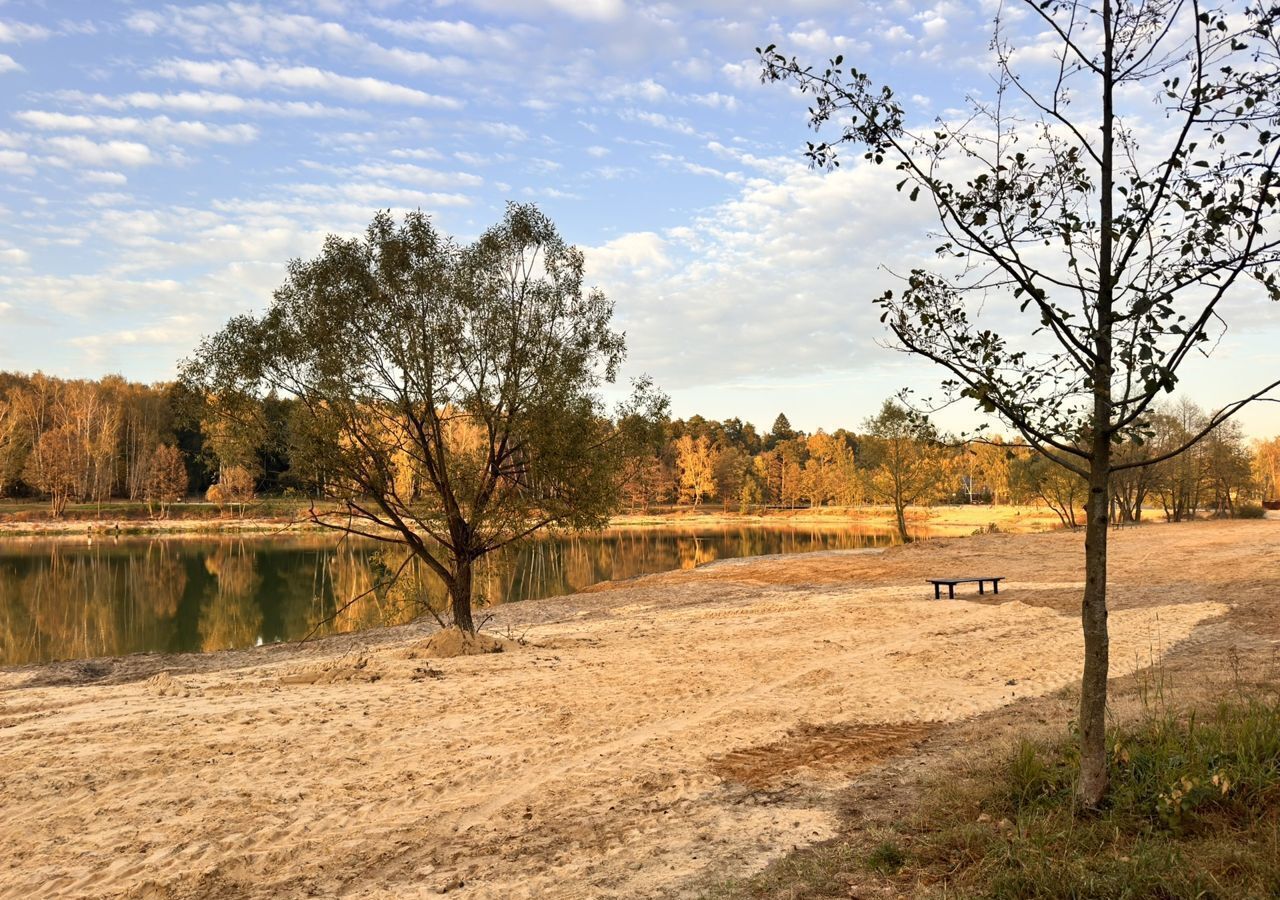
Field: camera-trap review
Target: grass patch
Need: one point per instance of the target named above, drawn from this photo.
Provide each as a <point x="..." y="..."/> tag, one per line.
<point x="887" y="857"/>
<point x="1193" y="812"/>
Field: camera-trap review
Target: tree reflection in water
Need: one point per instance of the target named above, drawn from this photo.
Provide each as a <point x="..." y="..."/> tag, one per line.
<point x="69" y="599"/>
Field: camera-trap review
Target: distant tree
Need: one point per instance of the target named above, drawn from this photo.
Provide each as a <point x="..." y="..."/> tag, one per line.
<point x="695" y="468"/>
<point x="55" y="467"/>
<point x="477" y="367"/>
<point x="234" y="488"/>
<point x="1266" y="467"/>
<point x="901" y="460"/>
<point x="1228" y="467"/>
<point x="751" y="494"/>
<point x="166" y="478"/>
<point x="645" y="480"/>
<point x="1179" y="479"/>
<point x="8" y="441"/>
<point x="781" y="431"/>
<point x="729" y="472"/>
<point x="992" y="463"/>
<point x="829" y="465"/>
<point x="1034" y="476"/>
<point x="742" y="435"/>
<point x="1116" y="255"/>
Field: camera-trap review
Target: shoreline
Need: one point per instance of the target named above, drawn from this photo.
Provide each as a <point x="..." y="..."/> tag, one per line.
<point x="953" y="519"/>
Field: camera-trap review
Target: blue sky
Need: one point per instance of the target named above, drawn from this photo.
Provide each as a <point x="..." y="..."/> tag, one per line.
<point x="159" y="164"/>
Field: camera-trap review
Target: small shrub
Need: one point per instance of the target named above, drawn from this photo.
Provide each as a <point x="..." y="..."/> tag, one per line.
<point x="886" y="857"/>
<point x="1250" y="511"/>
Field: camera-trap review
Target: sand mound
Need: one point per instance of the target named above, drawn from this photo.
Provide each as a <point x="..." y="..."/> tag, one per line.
<point x="162" y="684"/>
<point x="453" y="642"/>
<point x="342" y="669"/>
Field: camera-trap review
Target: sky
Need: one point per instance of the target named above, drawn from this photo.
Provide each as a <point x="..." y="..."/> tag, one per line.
<point x="160" y="164"/>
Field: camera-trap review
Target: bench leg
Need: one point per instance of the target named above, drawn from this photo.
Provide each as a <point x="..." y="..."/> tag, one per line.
<point x="981" y="588"/>
<point x="995" y="585"/>
<point x="951" y="592"/>
<point x="937" y="592"/>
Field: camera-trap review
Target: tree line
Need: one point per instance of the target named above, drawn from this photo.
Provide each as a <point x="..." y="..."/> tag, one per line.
<point x="88" y="441"/>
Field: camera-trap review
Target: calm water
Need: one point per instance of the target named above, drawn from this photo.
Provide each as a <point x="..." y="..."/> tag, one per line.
<point x="69" y="599"/>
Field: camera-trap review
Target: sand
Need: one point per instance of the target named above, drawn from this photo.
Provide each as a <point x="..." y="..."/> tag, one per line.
<point x="641" y="740"/>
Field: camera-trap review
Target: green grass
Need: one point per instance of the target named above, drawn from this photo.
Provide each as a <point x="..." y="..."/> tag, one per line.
<point x="1193" y="812"/>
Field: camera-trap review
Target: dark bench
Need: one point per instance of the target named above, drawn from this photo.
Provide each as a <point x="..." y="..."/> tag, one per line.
<point x="952" y="582"/>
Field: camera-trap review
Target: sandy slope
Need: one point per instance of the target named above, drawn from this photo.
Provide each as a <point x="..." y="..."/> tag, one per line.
<point x="647" y="737"/>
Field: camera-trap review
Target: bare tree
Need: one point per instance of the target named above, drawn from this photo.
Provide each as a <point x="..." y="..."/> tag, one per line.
<point x="1119" y="256"/>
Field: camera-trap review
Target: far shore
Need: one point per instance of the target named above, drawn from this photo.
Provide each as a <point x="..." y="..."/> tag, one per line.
<point x="288" y="517"/>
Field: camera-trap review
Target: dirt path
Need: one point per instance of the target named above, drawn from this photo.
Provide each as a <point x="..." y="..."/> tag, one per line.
<point x="647" y="738"/>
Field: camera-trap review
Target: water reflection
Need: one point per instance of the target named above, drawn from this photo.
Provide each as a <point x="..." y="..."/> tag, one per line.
<point x="62" y="599"/>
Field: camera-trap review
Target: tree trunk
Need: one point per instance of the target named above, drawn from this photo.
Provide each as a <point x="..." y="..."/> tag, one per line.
<point x="902" y="522"/>
<point x="1093" y="619"/>
<point x="1093" y="612"/>
<point x="460" y="595"/>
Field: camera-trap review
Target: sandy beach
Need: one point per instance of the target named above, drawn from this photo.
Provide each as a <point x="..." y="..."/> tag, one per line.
<point x="639" y="740"/>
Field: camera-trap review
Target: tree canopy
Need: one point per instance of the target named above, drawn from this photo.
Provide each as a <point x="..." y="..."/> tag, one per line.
<point x="448" y="395"/>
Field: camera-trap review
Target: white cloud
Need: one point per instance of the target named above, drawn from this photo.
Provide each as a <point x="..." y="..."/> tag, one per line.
<point x="18" y="32"/>
<point x="9" y="64"/>
<point x="457" y="36"/>
<point x="658" y="120"/>
<point x="13" y="256"/>
<point x="241" y="29"/>
<point x="647" y="91"/>
<point x="717" y="100"/>
<point x="102" y="176"/>
<point x="421" y="153"/>
<point x="597" y="151"/>
<point x="205" y="103"/>
<point x="742" y="75"/>
<point x="159" y="128"/>
<point x="503" y="130"/>
<point x="16" y="161"/>
<point x="109" y="198"/>
<point x="783" y="273"/>
<point x="245" y="74"/>
<point x="79" y="149"/>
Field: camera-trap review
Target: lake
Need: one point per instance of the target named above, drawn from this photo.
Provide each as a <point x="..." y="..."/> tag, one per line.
<point x="70" y="599"/>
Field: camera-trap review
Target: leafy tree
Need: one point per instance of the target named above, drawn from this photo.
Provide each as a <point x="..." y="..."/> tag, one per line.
<point x="730" y="469"/>
<point x="695" y="465"/>
<point x="752" y="491"/>
<point x="1117" y="256"/>
<point x="234" y="488"/>
<point x="447" y="395"/>
<point x="742" y="435"/>
<point x="166" y="477"/>
<point x="55" y="467"/>
<point x="1229" y="467"/>
<point x="1039" y="476"/>
<point x="901" y="459"/>
<point x="1266" y="467"/>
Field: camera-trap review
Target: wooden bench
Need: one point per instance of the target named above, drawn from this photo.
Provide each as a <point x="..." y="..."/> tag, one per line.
<point x="952" y="582"/>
